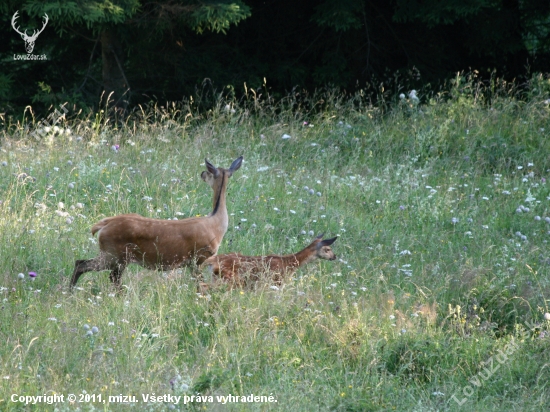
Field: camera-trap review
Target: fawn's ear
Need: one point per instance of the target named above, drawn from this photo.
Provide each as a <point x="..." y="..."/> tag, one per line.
<point x="320" y="236"/>
<point x="211" y="168"/>
<point x="328" y="242"/>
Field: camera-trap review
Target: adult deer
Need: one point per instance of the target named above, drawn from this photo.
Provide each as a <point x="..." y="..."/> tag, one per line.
<point x="161" y="244"/>
<point x="242" y="270"/>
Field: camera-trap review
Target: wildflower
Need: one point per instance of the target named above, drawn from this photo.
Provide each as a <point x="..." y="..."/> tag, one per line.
<point x="273" y="287"/>
<point x="262" y="168"/>
<point x="286" y="136"/>
<point x="4" y="163"/>
<point x="95" y="329"/>
<point x="311" y="191"/>
<point x="311" y="233"/>
<point x="405" y="252"/>
<point x="537" y="217"/>
<point x="413" y="96"/>
<point x="115" y="148"/>
<point x="401" y="96"/>
<point x="86" y="326"/>
<point x="89" y="333"/>
<point x="547" y="316"/>
<point x="392" y="317"/>
<point x="292" y="211"/>
<point x="21" y="276"/>
<point x="319" y="194"/>
<point x="276" y="209"/>
<point x="32" y="274"/>
<point x="53" y="319"/>
<point x="454" y="220"/>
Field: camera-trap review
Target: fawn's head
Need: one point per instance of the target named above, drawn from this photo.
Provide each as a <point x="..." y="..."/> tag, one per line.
<point x="323" y="249"/>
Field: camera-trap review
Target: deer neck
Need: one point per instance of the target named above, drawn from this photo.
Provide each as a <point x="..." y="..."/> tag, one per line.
<point x="219" y="207"/>
<point x="300" y="258"/>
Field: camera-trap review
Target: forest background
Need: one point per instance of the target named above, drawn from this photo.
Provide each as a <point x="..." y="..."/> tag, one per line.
<point x="138" y="51"/>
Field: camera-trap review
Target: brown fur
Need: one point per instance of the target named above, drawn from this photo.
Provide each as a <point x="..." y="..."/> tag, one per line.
<point x="162" y="244"/>
<point x="242" y="270"/>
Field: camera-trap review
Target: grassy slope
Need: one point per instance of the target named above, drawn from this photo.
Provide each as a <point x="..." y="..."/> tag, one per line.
<point x="437" y="269"/>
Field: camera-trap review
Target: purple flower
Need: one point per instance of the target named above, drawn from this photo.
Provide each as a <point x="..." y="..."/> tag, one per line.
<point x="32" y="274"/>
<point x="402" y="207"/>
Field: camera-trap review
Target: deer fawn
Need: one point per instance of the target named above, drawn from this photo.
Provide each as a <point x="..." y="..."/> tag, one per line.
<point x="161" y="244"/>
<point x="242" y="270"/>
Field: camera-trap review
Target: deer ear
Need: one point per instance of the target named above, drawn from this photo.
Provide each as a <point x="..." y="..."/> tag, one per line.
<point x="236" y="164"/>
<point x="211" y="168"/>
<point x="320" y="236"/>
<point x="328" y="242"/>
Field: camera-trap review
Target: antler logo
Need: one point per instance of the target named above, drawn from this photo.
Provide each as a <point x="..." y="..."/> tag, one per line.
<point x="29" y="40"/>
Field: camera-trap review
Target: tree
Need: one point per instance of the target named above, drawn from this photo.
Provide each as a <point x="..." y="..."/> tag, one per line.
<point x="112" y="23"/>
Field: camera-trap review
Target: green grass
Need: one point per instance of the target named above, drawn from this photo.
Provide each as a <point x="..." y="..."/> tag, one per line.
<point x="437" y="268"/>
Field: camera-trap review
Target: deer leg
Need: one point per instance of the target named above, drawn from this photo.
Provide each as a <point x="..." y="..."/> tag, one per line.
<point x="96" y="264"/>
<point x="116" y="275"/>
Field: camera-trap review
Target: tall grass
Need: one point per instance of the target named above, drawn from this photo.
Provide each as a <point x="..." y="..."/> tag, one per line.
<point x="442" y="210"/>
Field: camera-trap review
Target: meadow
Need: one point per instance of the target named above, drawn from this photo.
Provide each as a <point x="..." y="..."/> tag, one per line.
<point x="438" y="300"/>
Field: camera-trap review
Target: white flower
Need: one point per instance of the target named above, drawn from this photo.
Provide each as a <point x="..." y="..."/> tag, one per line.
<point x="286" y="136"/>
<point x="402" y="96"/>
<point x="454" y="220"/>
<point x="262" y="168"/>
<point x="547" y="316"/>
<point x="273" y="287"/>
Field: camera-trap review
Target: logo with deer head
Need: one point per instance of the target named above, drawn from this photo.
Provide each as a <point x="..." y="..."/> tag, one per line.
<point x="29" y="40"/>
